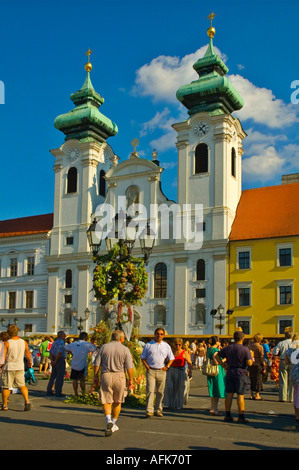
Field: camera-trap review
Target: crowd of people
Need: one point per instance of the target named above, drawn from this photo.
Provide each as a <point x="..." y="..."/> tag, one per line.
<point x="238" y="368"/>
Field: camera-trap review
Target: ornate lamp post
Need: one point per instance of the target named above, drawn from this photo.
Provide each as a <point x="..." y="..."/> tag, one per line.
<point x="219" y="313"/>
<point x="81" y="320"/>
<point x="120" y="278"/>
<point x="15" y="322"/>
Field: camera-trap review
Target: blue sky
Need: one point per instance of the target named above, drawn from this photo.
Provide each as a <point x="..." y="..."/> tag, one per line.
<point x="143" y="51"/>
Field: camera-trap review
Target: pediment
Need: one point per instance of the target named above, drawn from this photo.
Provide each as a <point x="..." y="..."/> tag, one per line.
<point x="133" y="167"/>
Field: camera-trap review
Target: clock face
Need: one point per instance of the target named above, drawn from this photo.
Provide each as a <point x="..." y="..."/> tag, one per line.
<point x="73" y="154"/>
<point x="202" y="128"/>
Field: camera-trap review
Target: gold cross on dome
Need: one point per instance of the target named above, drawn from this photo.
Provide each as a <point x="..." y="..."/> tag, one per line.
<point x="88" y="53"/>
<point x="211" y="17"/>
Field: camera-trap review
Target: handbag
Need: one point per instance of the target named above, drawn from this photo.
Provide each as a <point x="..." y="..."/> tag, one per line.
<point x="209" y="368"/>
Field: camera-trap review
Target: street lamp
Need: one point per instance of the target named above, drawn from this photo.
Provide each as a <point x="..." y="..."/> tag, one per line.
<point x="124" y="234"/>
<point x="15" y="322"/>
<point x="80" y="320"/>
<point x="220" y="316"/>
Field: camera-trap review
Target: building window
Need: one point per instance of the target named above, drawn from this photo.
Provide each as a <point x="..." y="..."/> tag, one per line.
<point x="285" y="295"/>
<point x="285" y="257"/>
<point x="68" y="299"/>
<point x="233" y="162"/>
<point x="244" y="259"/>
<point x="68" y="279"/>
<point x="160" y="315"/>
<point x="72" y="180"/>
<point x="30" y="265"/>
<point x="244" y="296"/>
<point x="245" y="325"/>
<point x="69" y="240"/>
<point x="28" y="328"/>
<point x="102" y="184"/>
<point x="201" y="159"/>
<point x="13" y="267"/>
<point x="200" y="270"/>
<point x="12" y="300"/>
<point x="160" y="281"/>
<point x="29" y="299"/>
<point x="282" y="325"/>
<point x="200" y="293"/>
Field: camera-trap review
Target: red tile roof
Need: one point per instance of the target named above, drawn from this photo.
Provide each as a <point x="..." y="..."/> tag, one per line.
<point x="26" y="225"/>
<point x="267" y="212"/>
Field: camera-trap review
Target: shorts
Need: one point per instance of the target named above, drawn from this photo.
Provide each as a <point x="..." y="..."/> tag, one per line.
<point x="113" y="387"/>
<point x="45" y="360"/>
<point x="237" y="383"/>
<point x="13" y="378"/>
<point x="78" y="374"/>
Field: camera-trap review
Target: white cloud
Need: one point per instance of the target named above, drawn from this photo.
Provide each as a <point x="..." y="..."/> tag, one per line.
<point x="263" y="166"/>
<point x="161" y="78"/>
<point x="261" y="105"/>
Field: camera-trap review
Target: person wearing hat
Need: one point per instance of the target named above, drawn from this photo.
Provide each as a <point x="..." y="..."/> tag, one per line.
<point x="238" y="357"/>
<point x="285" y="391"/>
<point x="292" y="360"/>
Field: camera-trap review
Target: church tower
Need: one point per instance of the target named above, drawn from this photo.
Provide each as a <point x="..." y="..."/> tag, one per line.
<point x="80" y="166"/>
<point x="210" y="144"/>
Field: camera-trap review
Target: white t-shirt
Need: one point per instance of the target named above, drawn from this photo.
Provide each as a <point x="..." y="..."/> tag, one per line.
<point x="80" y="350"/>
<point x="2" y="358"/>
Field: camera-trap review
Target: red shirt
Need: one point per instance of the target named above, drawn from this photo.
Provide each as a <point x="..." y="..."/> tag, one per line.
<point x="179" y="361"/>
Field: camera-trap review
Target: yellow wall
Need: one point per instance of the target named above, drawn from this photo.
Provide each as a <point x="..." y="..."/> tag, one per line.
<point x="263" y="275"/>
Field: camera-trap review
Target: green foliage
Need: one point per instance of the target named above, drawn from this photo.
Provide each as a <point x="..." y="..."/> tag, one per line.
<point x="113" y="274"/>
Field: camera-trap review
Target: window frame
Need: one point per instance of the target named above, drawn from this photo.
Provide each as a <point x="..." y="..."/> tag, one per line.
<point x="243" y="249"/>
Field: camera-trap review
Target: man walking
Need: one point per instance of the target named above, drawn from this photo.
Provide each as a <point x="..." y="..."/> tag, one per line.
<point x="80" y="351"/>
<point x="238" y="357"/>
<point x="285" y="392"/>
<point x="58" y="357"/>
<point x="115" y="360"/>
<point x="157" y="357"/>
<point x="14" y="371"/>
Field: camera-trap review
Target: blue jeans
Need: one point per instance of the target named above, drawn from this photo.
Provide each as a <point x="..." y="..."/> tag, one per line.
<point x="57" y="377"/>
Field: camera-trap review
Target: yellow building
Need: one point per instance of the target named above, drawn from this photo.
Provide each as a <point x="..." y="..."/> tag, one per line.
<point x="263" y="266"/>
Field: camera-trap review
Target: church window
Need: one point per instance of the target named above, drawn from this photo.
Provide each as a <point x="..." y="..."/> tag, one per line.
<point x="72" y="180"/>
<point x="160" y="281"/>
<point x="200" y="313"/>
<point x="68" y="279"/>
<point x="201" y="159"/>
<point x="200" y="270"/>
<point x="233" y="162"/>
<point x="102" y="184"/>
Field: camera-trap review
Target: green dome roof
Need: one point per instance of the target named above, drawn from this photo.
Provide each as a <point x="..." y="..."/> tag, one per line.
<point x="85" y="122"/>
<point x="212" y="92"/>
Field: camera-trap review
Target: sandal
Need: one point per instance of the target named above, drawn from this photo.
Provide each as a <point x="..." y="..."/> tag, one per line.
<point x="4" y="408"/>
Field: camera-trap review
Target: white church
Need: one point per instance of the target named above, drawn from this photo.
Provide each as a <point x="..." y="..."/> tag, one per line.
<point x="46" y="266"/>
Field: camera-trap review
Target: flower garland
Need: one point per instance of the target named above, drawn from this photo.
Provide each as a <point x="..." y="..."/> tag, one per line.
<point x="120" y="279"/>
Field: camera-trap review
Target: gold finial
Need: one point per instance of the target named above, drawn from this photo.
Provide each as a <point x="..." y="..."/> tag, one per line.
<point x="134" y="143"/>
<point x="88" y="65"/>
<point x="211" y="31"/>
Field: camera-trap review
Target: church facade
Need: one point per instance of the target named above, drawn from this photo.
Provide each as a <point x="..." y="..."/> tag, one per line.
<point x="46" y="264"/>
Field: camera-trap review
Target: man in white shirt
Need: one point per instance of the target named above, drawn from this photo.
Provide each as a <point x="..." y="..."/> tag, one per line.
<point x="80" y="351"/>
<point x="157" y="357"/>
<point x="285" y="387"/>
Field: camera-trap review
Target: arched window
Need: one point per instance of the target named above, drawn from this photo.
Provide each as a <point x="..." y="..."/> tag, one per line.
<point x="201" y="159"/>
<point x="160" y="315"/>
<point x="200" y="270"/>
<point x="233" y="162"/>
<point x="160" y="281"/>
<point x="72" y="180"/>
<point x="102" y="184"/>
<point x="68" y="278"/>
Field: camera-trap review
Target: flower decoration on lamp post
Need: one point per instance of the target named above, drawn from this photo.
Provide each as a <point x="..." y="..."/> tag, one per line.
<point x="120" y="279"/>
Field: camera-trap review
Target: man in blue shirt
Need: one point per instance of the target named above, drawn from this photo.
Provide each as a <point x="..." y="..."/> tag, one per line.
<point x="157" y="357"/>
<point x="238" y="357"/>
<point x="58" y="357"/>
